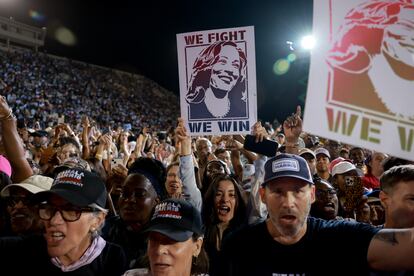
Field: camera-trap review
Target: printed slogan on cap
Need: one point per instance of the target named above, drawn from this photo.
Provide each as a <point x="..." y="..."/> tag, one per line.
<point x="361" y="83"/>
<point x="218" y="80"/>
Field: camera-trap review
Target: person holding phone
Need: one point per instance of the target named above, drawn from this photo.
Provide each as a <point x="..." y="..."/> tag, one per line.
<point x="290" y="242"/>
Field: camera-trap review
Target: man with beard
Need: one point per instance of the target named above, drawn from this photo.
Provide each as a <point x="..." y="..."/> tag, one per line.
<point x="290" y="242"/>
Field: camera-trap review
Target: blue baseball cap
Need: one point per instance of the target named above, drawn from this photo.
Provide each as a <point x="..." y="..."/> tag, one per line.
<point x="177" y="219"/>
<point x="287" y="165"/>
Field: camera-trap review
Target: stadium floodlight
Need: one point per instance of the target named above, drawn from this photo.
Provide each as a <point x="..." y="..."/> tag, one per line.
<point x="308" y="42"/>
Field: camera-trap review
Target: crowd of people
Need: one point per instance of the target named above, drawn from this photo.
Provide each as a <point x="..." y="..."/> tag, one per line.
<point x="89" y="196"/>
<point x="41" y="89"/>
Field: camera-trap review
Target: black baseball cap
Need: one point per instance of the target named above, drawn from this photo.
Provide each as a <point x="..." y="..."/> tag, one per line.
<point x="79" y="187"/>
<point x="287" y="165"/>
<point x="176" y="219"/>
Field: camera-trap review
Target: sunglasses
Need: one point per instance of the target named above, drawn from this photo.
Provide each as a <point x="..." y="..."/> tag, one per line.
<point x="68" y="213"/>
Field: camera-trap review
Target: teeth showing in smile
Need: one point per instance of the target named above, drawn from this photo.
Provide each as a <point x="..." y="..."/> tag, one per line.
<point x="225" y="79"/>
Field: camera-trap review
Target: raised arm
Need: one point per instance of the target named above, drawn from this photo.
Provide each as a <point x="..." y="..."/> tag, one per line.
<point x="187" y="173"/>
<point x="251" y="156"/>
<point x="235" y="148"/>
<point x="292" y="127"/>
<point x="13" y="144"/>
<point x="392" y="249"/>
<point x="256" y="209"/>
<point x="85" y="137"/>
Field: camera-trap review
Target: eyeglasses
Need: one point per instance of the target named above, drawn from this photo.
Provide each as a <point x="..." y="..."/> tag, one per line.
<point x="68" y="213"/>
<point x="13" y="200"/>
<point x="321" y="193"/>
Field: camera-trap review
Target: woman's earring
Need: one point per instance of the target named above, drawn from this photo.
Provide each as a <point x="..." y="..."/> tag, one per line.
<point x="195" y="260"/>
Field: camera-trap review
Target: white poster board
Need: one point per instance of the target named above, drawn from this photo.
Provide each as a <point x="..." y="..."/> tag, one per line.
<point x="361" y="82"/>
<point x="217" y="71"/>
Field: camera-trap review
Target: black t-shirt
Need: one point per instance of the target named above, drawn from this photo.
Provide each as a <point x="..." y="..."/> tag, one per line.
<point x="328" y="248"/>
<point x="28" y="256"/>
<point x="133" y="243"/>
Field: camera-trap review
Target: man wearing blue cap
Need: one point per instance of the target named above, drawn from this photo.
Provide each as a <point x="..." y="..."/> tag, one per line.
<point x="290" y="242"/>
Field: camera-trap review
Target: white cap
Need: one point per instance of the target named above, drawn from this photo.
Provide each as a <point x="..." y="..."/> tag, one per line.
<point x="322" y="151"/>
<point x="306" y="150"/>
<point x="33" y="184"/>
<point x="248" y="170"/>
<point x="343" y="167"/>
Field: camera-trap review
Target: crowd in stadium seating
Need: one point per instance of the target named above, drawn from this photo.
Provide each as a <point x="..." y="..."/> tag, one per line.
<point x="41" y="88"/>
<point x="151" y="199"/>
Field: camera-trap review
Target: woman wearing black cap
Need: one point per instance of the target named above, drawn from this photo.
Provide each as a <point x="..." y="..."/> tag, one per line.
<point x="73" y="213"/>
<point x="175" y="241"/>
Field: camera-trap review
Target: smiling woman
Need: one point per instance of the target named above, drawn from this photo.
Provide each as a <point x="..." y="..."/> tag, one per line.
<point x="217" y="87"/>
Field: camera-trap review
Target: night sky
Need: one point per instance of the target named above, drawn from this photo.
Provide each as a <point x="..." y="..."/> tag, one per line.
<point x="140" y="37"/>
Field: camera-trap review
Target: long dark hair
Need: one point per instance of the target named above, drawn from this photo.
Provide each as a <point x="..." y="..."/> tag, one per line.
<point x="200" y="264"/>
<point x="209" y="213"/>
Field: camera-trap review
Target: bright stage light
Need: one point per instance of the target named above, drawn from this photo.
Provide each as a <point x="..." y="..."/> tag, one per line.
<point x="308" y="42"/>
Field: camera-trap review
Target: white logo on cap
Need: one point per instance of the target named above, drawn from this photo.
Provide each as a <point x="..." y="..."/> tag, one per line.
<point x="285" y="164"/>
<point x="167" y="210"/>
<point x="70" y="177"/>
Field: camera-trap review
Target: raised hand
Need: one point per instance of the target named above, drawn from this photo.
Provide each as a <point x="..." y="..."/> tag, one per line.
<point x="183" y="138"/>
<point x="5" y="110"/>
<point x="292" y="126"/>
<point x="85" y="122"/>
<point x="232" y="144"/>
<point x="260" y="132"/>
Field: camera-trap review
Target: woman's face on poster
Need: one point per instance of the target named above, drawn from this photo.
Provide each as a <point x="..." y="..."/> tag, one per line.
<point x="226" y="71"/>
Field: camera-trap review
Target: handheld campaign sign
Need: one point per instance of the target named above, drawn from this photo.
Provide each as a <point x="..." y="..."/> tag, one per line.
<point x="218" y="80"/>
<point x="361" y="83"/>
